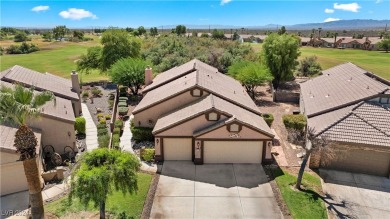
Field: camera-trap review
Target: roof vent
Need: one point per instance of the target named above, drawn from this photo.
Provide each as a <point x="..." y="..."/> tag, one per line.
<point x="312" y="96"/>
<point x="328" y="74"/>
<point x="350" y="79"/>
<point x="368" y="87"/>
<point x="66" y="111"/>
<point x="64" y="106"/>
<point x="327" y="95"/>
<point x="234" y="92"/>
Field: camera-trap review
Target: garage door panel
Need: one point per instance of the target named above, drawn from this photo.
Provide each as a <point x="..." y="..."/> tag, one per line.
<point x="360" y="161"/>
<point x="233" y="152"/>
<point x="177" y="148"/>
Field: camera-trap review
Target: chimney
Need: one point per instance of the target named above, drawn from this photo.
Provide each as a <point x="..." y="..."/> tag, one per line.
<point x="75" y="82"/>
<point x="148" y="75"/>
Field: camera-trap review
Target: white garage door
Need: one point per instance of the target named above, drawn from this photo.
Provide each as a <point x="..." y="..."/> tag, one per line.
<point x="177" y="148"/>
<point x="233" y="151"/>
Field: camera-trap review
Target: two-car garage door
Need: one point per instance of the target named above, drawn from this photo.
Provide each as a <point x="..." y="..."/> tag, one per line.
<point x="233" y="151"/>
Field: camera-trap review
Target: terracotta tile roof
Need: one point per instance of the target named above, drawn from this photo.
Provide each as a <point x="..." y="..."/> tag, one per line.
<point x="338" y="87"/>
<point x="176" y="72"/>
<point x="63" y="108"/>
<point x="41" y="81"/>
<point x="206" y="78"/>
<point x="212" y="102"/>
<point x="7" y="137"/>
<point x="365" y="123"/>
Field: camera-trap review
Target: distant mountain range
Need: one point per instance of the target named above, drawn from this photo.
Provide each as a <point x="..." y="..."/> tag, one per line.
<point x="361" y="24"/>
<point x="357" y="24"/>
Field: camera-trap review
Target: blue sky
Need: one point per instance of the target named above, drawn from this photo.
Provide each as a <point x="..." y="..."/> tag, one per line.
<point x="104" y="13"/>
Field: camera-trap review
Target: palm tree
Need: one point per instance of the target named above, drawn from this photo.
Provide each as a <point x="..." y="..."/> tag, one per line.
<point x="319" y="32"/>
<point x="335" y="39"/>
<point x="19" y="105"/>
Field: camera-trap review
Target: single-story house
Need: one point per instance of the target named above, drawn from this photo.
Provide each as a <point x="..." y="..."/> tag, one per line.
<point x="200" y="114"/>
<point x="350" y="107"/>
<point x="12" y="175"/>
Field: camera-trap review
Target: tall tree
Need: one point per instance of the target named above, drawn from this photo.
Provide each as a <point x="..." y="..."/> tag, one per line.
<point x="78" y="34"/>
<point x="319" y="32"/>
<point x="48" y="35"/>
<point x="384" y="44"/>
<point x="282" y="30"/>
<point x="180" y="30"/>
<point x="118" y="44"/>
<point x="101" y="172"/>
<point x="217" y="34"/>
<point x="153" y="31"/>
<point x="250" y="74"/>
<point x="335" y="34"/>
<point x="91" y="60"/>
<point x="19" y="105"/>
<point x="59" y="32"/>
<point x="20" y="37"/>
<point x="129" y="72"/>
<point x="309" y="66"/>
<point x="280" y="53"/>
<point x="141" y="30"/>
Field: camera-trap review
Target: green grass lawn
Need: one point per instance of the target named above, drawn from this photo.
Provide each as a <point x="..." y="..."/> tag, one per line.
<point x="117" y="203"/>
<point x="302" y="204"/>
<point x="57" y="58"/>
<point x="376" y="62"/>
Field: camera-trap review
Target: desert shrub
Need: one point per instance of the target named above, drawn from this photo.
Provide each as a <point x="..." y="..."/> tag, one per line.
<point x="108" y="116"/>
<point x="24" y="48"/>
<point x="101" y="126"/>
<point x="119" y="124"/>
<point x="123" y="99"/>
<point x="123" y="110"/>
<point x="100" y="115"/>
<point x="116" y="131"/>
<point x="79" y="125"/>
<point x="142" y="133"/>
<point x="269" y="118"/>
<point x="96" y="92"/>
<point x="85" y="94"/>
<point x="102" y="121"/>
<point x="147" y="154"/>
<point x="122" y="104"/>
<point x="110" y="103"/>
<point x="297" y="122"/>
<point x="103" y="141"/>
<point x="111" y="96"/>
<point x="115" y="138"/>
<point x="102" y="132"/>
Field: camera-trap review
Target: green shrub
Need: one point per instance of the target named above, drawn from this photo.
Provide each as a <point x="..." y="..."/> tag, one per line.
<point x="142" y="134"/>
<point x="110" y="104"/>
<point x="108" y="116"/>
<point x="123" y="110"/>
<point x="103" y="141"/>
<point x="85" y="94"/>
<point x="96" y="92"/>
<point x="102" y="132"/>
<point x="269" y="118"/>
<point x="116" y="138"/>
<point x="101" y="126"/>
<point x="297" y="122"/>
<point x="116" y="131"/>
<point x="123" y="88"/>
<point x="24" y="48"/>
<point x="102" y="121"/>
<point x="122" y="104"/>
<point x="100" y="115"/>
<point x="79" y="125"/>
<point x="123" y="99"/>
<point x="119" y="124"/>
<point x="147" y="154"/>
<point x="116" y="146"/>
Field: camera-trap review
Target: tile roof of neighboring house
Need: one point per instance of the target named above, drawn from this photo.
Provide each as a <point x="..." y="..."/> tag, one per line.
<point x="350" y="40"/>
<point x="330" y="40"/>
<point x="305" y="39"/>
<point x="374" y="40"/>
<point x="41" y="81"/>
<point x="178" y="71"/>
<point x="212" y="102"/>
<point x="206" y="78"/>
<point x="7" y="137"/>
<point x="62" y="109"/>
<point x="364" y="123"/>
<point x="338" y="87"/>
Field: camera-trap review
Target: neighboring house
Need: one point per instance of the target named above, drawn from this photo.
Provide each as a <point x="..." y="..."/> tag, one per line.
<point x="12" y="174"/>
<point x="350" y="107"/>
<point x="202" y="115"/>
<point x="352" y="43"/>
<point x="330" y="42"/>
<point x="57" y="121"/>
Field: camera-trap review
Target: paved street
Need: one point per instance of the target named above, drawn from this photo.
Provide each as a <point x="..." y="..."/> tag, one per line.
<point x="213" y="191"/>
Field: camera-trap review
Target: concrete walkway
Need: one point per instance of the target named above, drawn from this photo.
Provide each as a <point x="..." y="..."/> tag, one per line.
<point x="127" y="145"/>
<point x="91" y="130"/>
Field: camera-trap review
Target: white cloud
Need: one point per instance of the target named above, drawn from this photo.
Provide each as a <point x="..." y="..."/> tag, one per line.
<point x="331" y="19"/>
<point x="40" y="8"/>
<point x="354" y="7"/>
<point x="77" y="14"/>
<point x="225" y="1"/>
<point x="378" y="1"/>
<point x="329" y="11"/>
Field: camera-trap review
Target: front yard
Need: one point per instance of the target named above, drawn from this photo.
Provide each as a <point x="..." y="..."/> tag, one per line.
<point x="307" y="203"/>
<point x="117" y="203"/>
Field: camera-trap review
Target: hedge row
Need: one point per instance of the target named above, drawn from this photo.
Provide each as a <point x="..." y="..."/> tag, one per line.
<point x="297" y="122"/>
<point x="142" y="133"/>
<point x="79" y="125"/>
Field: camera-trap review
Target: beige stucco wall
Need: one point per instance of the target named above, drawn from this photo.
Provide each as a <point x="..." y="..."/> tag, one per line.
<point x="189" y="127"/>
<point x="223" y="133"/>
<point x="153" y="113"/>
<point x="12" y="174"/>
<point x="56" y="133"/>
<point x="77" y="107"/>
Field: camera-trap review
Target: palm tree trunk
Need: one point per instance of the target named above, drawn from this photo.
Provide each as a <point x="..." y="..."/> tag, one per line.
<point x="302" y="169"/>
<point x="34" y="188"/>
<point x="102" y="210"/>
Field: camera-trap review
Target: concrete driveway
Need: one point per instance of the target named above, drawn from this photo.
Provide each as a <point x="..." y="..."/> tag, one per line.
<point x="352" y="195"/>
<point x="213" y="191"/>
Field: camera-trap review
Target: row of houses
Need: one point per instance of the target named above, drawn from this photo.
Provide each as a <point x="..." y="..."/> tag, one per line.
<point x="55" y="127"/>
